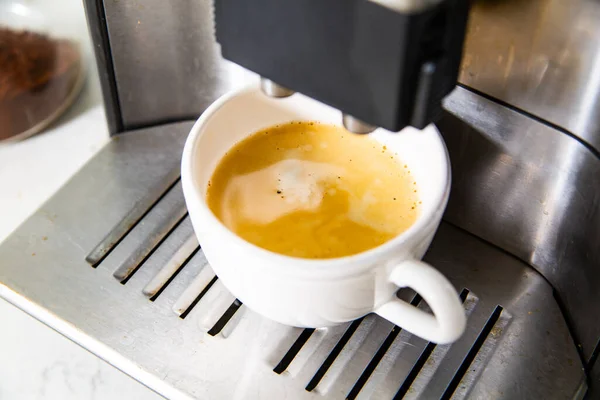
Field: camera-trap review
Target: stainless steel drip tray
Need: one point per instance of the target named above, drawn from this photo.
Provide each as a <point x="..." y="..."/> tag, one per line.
<point x="111" y="262"/>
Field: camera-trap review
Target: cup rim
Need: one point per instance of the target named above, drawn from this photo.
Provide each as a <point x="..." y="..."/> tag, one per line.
<point x="193" y="192"/>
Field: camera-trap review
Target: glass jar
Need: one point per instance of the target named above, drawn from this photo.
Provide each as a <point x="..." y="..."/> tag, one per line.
<point x="41" y="68"/>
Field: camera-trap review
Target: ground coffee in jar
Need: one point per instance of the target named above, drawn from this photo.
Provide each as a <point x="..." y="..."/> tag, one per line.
<point x="39" y="77"/>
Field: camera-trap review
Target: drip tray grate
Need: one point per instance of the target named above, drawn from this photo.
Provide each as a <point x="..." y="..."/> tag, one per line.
<point x="156" y="249"/>
<point x="116" y="267"/>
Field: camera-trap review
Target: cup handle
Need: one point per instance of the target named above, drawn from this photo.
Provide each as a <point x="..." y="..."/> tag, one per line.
<point x="448" y="320"/>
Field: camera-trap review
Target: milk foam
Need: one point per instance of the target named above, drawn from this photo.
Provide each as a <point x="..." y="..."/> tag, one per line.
<point x="282" y="188"/>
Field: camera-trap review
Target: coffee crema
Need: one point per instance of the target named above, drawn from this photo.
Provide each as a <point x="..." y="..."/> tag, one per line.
<point x="312" y="190"/>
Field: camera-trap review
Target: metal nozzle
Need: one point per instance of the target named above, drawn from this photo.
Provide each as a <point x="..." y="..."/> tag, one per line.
<point x="272" y="89"/>
<point x="356" y="125"/>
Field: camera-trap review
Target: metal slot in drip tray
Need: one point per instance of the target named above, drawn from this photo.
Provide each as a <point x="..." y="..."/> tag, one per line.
<point x="512" y="320"/>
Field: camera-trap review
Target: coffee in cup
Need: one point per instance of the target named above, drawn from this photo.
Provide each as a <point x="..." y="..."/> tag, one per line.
<point x="312" y="190"/>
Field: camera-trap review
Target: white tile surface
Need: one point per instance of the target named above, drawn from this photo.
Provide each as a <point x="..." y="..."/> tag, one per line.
<point x="38" y="363"/>
<point x="35" y="361"/>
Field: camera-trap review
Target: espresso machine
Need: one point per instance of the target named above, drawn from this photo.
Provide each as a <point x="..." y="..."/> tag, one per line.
<point x="118" y="270"/>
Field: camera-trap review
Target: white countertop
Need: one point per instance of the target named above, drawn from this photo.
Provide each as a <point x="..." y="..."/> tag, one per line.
<point x="35" y="361"/>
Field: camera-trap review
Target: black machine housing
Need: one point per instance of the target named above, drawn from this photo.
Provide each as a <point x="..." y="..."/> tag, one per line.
<point x="386" y="68"/>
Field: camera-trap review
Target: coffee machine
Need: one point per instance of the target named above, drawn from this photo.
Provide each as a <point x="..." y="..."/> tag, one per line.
<point x="118" y="270"/>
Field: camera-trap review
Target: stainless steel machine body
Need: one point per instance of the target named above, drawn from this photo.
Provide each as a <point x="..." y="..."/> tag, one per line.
<point x="111" y="261"/>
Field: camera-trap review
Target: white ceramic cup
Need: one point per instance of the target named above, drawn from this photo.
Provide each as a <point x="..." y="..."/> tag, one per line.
<point x="323" y="292"/>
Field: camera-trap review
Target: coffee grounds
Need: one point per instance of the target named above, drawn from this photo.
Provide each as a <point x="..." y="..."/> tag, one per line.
<point x="37" y="75"/>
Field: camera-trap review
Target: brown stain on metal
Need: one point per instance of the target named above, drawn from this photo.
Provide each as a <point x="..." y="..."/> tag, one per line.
<point x="129" y="271"/>
<point x="496" y="331"/>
